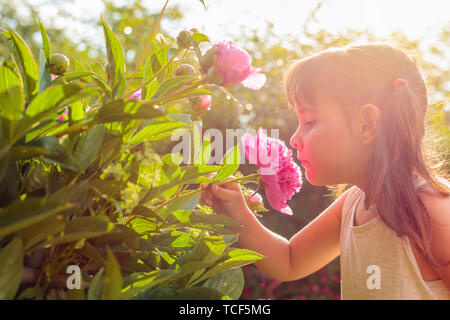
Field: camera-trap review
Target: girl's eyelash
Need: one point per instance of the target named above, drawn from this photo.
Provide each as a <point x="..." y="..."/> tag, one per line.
<point x="309" y="123"/>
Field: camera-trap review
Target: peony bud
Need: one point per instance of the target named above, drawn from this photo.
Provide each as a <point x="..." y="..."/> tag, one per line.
<point x="58" y="64"/>
<point x="209" y="59"/>
<point x="254" y="202"/>
<point x="184" y="39"/>
<point x="185" y="70"/>
<point x="202" y="102"/>
<point x="233" y="64"/>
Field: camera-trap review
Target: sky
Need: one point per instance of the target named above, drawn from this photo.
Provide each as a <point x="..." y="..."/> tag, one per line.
<point x="224" y="19"/>
<point x="416" y="18"/>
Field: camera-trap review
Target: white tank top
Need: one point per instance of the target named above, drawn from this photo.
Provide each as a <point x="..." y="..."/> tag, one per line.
<point x="376" y="264"/>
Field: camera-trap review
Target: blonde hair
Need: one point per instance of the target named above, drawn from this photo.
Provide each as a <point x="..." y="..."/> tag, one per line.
<point x="361" y="74"/>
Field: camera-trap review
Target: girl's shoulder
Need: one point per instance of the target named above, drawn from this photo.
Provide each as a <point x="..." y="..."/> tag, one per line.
<point x="425" y="187"/>
<point x="436" y="203"/>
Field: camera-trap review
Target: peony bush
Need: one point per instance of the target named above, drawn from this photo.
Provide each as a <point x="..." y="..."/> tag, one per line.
<point x="88" y="182"/>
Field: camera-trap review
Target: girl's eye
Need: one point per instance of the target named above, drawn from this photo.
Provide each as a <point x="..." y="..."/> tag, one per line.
<point x="308" y="125"/>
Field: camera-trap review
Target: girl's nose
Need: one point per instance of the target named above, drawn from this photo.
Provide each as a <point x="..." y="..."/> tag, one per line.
<point x="295" y="140"/>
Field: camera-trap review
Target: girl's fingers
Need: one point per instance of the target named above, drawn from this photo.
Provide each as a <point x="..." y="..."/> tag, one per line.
<point x="231" y="185"/>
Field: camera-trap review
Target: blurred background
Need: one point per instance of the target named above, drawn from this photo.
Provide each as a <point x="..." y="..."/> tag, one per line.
<point x="274" y="33"/>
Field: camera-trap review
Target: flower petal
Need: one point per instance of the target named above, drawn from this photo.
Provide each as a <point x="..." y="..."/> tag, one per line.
<point x="249" y="146"/>
<point x="255" y="80"/>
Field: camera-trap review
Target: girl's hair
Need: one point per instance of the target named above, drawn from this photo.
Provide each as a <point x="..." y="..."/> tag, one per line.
<point x="360" y="74"/>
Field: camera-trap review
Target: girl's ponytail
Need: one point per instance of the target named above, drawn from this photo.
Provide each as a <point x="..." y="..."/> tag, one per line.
<point x="397" y="159"/>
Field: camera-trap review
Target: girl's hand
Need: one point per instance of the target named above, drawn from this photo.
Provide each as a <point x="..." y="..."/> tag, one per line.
<point x="226" y="199"/>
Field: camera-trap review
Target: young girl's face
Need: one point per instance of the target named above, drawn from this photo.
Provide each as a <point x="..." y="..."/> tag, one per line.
<point x="327" y="148"/>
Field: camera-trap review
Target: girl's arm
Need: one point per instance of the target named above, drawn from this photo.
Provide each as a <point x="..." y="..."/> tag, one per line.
<point x="438" y="208"/>
<point x="309" y="250"/>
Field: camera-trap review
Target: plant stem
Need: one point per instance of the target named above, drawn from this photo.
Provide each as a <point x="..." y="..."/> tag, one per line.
<point x="178" y="95"/>
<point x="251" y="176"/>
<point x="147" y="46"/>
<point x="255" y="175"/>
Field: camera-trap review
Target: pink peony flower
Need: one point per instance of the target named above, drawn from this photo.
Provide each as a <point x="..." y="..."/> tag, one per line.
<point x="280" y="175"/>
<point x="234" y="67"/>
<point x="205" y="102"/>
<point x="136" y="96"/>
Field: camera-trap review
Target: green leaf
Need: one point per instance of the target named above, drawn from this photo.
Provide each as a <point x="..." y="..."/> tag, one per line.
<point x="45" y="41"/>
<point x="8" y="78"/>
<point x="46" y="146"/>
<point x="172" y="84"/>
<point x="112" y="285"/>
<point x="4" y="160"/>
<point x="200" y="37"/>
<point x="230" y="163"/>
<point x="173" y="240"/>
<point x="50" y="98"/>
<point x="25" y="62"/>
<point x="149" y="90"/>
<point x="152" y="131"/>
<point x="12" y="103"/>
<point x="120" y="110"/>
<point x="77" y="65"/>
<point x="9" y="185"/>
<point x="141" y="282"/>
<point x="145" y="212"/>
<point x="71" y="193"/>
<point x="76" y="111"/>
<point x="50" y="101"/>
<point x="96" y="286"/>
<point x="72" y="76"/>
<point x="205" y="154"/>
<point x="194" y="217"/>
<point x="41" y="230"/>
<point x="82" y="228"/>
<point x="143" y="226"/>
<point x="195" y="93"/>
<point x="21" y="214"/>
<point x="41" y="128"/>
<point x="88" y="146"/>
<point x="102" y="84"/>
<point x="11" y="269"/>
<point x="201" y="293"/>
<point x="184" y="203"/>
<point x="229" y="282"/>
<point x="116" y="60"/>
<point x="45" y="79"/>
<point x="236" y="258"/>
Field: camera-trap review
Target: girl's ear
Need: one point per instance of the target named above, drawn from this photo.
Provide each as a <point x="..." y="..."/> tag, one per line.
<point x="369" y="119"/>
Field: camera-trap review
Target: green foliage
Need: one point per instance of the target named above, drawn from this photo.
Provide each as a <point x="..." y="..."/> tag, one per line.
<point x="86" y="179"/>
<point x="99" y="189"/>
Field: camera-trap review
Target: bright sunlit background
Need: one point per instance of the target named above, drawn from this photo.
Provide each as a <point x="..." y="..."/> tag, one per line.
<point x="417" y="19"/>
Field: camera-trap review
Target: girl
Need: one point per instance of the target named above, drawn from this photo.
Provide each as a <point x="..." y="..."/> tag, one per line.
<point x="361" y="112"/>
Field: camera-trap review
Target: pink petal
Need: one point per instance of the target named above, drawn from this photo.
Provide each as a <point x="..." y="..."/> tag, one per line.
<point x="255" y="80"/>
<point x="274" y="195"/>
<point x="205" y="102"/>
